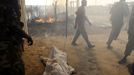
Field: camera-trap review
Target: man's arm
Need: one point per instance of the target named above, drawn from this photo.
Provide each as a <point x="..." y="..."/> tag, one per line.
<point x="76" y="23"/>
<point x="88" y="20"/>
<point x="21" y="33"/>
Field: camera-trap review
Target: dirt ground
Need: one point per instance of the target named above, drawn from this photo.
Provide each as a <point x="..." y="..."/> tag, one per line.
<point x="96" y="61"/>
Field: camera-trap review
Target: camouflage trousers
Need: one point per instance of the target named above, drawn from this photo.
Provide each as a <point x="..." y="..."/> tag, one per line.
<point x="10" y="59"/>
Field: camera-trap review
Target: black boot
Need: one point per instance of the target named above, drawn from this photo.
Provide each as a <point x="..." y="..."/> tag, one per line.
<point x="91" y="46"/>
<point x="74" y="44"/>
<point x="123" y="60"/>
<point x="109" y="45"/>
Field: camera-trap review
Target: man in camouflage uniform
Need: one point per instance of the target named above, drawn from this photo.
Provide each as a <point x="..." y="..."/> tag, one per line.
<point x="11" y="38"/>
<point x="79" y="24"/>
<point x="118" y="12"/>
<point x="130" y="44"/>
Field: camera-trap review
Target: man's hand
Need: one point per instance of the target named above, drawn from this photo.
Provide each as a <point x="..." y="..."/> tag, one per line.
<point x="90" y="23"/>
<point x="30" y="41"/>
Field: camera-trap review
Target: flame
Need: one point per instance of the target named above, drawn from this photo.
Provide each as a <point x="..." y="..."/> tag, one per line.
<point x="45" y="20"/>
<point x="40" y="20"/>
<point x="50" y="20"/>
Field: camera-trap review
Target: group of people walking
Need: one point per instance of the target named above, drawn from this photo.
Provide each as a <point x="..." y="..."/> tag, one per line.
<point x="119" y="12"/>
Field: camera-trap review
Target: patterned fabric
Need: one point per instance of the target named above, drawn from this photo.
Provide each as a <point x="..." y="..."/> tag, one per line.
<point x="11" y="38"/>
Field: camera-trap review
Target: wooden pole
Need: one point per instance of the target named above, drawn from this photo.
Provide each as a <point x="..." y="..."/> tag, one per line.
<point x="66" y="17"/>
<point x="66" y="25"/>
<point x="55" y="10"/>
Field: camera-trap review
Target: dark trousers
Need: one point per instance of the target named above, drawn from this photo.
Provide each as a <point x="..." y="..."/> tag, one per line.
<point x="116" y="29"/>
<point x="81" y="31"/>
<point x="130" y="45"/>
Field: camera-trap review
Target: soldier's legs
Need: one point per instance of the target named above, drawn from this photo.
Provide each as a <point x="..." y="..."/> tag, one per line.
<point x="111" y="37"/>
<point x="13" y="69"/>
<point x="114" y="34"/>
<point x="85" y="36"/>
<point x="14" y="56"/>
<point x="128" y="51"/>
<point x="117" y="31"/>
<point x="18" y="68"/>
<point x="77" y="34"/>
<point x="129" y="47"/>
<point x="126" y="54"/>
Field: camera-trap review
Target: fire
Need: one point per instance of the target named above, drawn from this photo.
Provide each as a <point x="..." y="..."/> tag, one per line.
<point x="45" y="20"/>
<point x="50" y="20"/>
<point x="40" y="20"/>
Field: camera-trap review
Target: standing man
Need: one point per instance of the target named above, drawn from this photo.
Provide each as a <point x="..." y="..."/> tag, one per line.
<point x="11" y="38"/>
<point x="118" y="12"/>
<point x="79" y="24"/>
<point x="130" y="44"/>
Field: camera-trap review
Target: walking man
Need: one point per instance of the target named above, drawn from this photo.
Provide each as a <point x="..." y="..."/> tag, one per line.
<point x="130" y="44"/>
<point x="118" y="12"/>
<point x="79" y="25"/>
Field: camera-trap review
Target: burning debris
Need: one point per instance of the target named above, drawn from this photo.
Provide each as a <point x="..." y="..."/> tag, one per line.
<point x="45" y="20"/>
<point x="49" y="20"/>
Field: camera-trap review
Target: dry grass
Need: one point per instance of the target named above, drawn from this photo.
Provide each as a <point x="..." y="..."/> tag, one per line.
<point x="97" y="61"/>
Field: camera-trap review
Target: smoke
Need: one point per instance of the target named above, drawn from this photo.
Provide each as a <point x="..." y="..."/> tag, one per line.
<point x="61" y="2"/>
